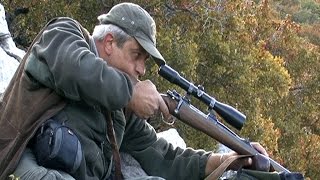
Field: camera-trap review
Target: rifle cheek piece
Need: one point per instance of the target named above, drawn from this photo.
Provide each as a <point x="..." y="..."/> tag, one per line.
<point x="231" y="115"/>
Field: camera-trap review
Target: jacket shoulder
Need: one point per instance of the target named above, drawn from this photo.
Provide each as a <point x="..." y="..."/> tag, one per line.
<point x="69" y="22"/>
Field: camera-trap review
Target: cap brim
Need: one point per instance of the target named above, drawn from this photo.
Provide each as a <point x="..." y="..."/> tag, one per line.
<point x="152" y="50"/>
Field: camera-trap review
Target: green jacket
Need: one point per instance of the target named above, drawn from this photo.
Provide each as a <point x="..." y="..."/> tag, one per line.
<point x="66" y="62"/>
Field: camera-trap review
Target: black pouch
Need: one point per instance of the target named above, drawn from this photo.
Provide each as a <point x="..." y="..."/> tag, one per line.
<point x="57" y="147"/>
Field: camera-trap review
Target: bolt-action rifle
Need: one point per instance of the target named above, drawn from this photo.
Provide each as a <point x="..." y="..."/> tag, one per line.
<point x="181" y="108"/>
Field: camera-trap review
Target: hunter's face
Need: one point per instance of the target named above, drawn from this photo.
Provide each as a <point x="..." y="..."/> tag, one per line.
<point x="130" y="58"/>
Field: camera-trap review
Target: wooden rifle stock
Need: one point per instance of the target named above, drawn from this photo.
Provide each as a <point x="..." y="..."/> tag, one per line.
<point x="195" y="118"/>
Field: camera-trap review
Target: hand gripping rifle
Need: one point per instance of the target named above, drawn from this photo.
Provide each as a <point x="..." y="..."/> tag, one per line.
<point x="182" y="109"/>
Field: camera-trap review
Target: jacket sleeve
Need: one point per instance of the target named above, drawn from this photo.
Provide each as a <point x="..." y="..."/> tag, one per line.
<point x="74" y="70"/>
<point x="158" y="157"/>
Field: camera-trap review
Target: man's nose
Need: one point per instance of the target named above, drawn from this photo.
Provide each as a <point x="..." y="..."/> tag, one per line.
<point x="141" y="68"/>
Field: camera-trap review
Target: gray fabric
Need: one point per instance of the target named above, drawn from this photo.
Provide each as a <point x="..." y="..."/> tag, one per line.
<point x="146" y="178"/>
<point x="28" y="169"/>
<point x="130" y="167"/>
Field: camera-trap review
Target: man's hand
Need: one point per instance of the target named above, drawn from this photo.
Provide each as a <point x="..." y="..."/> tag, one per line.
<point x="216" y="159"/>
<point x="146" y="100"/>
<point x="257" y="162"/>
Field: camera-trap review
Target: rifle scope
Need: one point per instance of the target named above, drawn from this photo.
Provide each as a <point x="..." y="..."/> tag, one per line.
<point x="231" y="115"/>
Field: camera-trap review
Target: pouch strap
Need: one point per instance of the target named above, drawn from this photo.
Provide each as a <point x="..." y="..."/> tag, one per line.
<point x="217" y="173"/>
<point x="113" y="143"/>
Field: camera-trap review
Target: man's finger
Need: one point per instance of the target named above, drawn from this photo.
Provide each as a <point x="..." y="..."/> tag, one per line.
<point x="259" y="148"/>
<point x="164" y="108"/>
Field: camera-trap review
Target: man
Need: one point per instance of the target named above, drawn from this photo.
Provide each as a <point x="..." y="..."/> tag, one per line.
<point x="90" y="74"/>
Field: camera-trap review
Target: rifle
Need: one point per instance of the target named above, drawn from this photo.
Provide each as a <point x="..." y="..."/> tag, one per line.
<point x="180" y="107"/>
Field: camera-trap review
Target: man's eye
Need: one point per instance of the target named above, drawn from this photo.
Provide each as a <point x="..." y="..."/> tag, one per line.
<point x="136" y="54"/>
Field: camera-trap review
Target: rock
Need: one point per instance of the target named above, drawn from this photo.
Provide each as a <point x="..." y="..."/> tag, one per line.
<point x="173" y="137"/>
<point x="10" y="55"/>
<point x="131" y="167"/>
<point x="7" y="43"/>
<point x="3" y="23"/>
<point x="224" y="149"/>
<point x="8" y="66"/>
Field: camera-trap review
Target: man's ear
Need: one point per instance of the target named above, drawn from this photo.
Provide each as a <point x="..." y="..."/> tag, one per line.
<point x="107" y="42"/>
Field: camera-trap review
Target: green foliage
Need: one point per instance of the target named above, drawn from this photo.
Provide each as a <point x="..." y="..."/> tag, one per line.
<point x="306" y="12"/>
<point x="313" y="6"/>
<point x="312" y="33"/>
<point x="306" y="16"/>
<point x="251" y="55"/>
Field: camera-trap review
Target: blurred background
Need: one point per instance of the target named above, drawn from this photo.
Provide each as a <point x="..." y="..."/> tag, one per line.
<point x="259" y="56"/>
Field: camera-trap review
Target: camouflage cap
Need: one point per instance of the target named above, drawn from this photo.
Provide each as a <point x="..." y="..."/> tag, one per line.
<point x="138" y="23"/>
